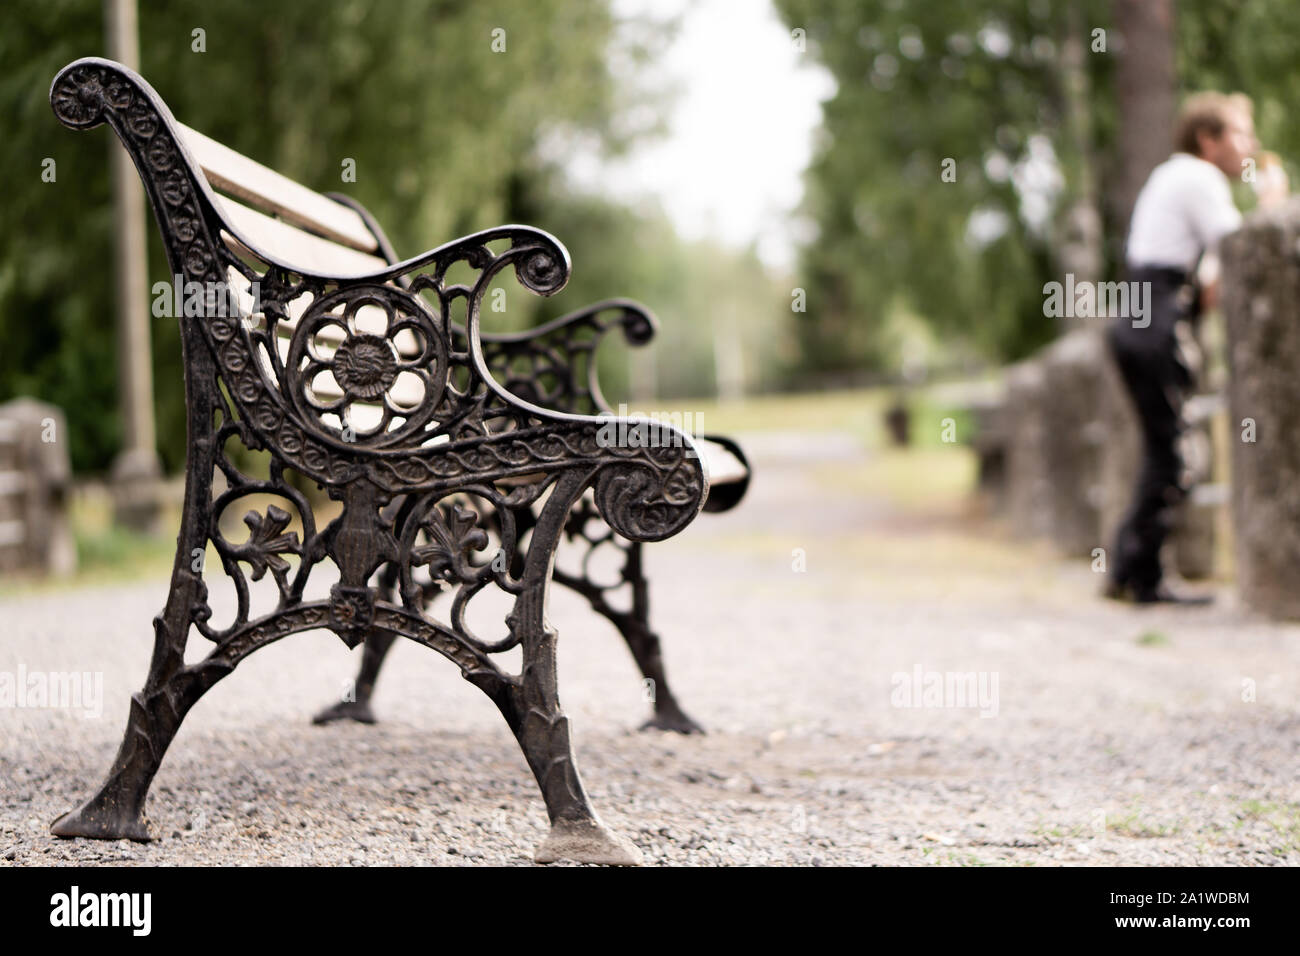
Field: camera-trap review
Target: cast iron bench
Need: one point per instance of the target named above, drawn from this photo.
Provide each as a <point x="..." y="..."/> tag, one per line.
<point x="546" y="366"/>
<point x="460" y="460"/>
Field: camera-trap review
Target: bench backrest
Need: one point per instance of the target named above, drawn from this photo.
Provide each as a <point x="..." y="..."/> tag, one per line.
<point x="286" y="218"/>
<point x="305" y="228"/>
<point x="298" y="225"/>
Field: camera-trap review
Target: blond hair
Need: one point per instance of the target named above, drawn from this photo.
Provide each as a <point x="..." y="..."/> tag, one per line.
<point x="1207" y="113"/>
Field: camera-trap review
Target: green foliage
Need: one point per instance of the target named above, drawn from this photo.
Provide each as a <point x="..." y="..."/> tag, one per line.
<point x="443" y="131"/>
<point x="980" y="84"/>
<point x="919" y="84"/>
<point x="1246" y="46"/>
<point x="54" y="289"/>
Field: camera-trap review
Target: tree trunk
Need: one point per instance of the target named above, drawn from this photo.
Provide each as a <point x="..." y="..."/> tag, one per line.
<point x="136" y="469"/>
<point x="1144" y="94"/>
<point x="1079" y="237"/>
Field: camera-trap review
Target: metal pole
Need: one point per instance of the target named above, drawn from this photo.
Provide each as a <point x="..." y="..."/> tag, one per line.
<point x="136" y="470"/>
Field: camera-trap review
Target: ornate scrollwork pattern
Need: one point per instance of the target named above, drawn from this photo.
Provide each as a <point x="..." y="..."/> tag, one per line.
<point x="366" y="386"/>
<point x="455" y="534"/>
<point x="554" y="365"/>
<point x="352" y="347"/>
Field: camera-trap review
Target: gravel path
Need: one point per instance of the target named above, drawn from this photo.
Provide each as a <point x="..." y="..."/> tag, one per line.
<point x="1116" y="736"/>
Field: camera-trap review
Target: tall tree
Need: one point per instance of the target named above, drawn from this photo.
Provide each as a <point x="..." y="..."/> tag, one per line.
<point x="1145" y="96"/>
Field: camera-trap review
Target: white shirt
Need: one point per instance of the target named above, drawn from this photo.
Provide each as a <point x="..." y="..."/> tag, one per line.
<point x="1184" y="208"/>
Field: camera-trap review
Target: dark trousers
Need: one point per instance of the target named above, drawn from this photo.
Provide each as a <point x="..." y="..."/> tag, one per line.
<point x="1158" y="382"/>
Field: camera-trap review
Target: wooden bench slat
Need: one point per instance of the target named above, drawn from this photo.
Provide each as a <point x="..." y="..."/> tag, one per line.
<point x="724" y="467"/>
<point x="296" y="247"/>
<point x="236" y="174"/>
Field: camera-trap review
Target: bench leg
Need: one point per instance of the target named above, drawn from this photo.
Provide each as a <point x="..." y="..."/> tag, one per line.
<point x="532" y="706"/>
<point x="542" y="729"/>
<point x="634" y="625"/>
<point x="646" y="650"/>
<point x="374" y="650"/>
<point x="116" y="811"/>
<point x="641" y="640"/>
<point x="668" y="714"/>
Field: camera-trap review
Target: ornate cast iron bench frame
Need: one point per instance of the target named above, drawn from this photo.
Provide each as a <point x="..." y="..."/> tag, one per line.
<point x="420" y="491"/>
<point x="554" y="366"/>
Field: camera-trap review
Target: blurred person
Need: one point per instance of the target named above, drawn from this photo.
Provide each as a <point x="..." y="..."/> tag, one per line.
<point x="1271" y="186"/>
<point x="1182" y="212"/>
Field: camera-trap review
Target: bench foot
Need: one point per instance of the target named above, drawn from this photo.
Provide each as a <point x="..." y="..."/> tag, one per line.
<point x="587" y="841"/>
<point x="99" y="819"/>
<point x="358" y="710"/>
<point x="648" y="654"/>
<point x="672" y="719"/>
<point x="116" y="811"/>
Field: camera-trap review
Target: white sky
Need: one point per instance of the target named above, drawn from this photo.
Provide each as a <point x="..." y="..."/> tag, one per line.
<point x="739" y="132"/>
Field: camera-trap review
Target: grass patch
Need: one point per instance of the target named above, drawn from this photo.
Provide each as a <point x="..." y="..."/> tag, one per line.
<point x="1132" y="825"/>
<point x="1152" y="639"/>
<point x="1282" y="818"/>
<point x="1058" y="833"/>
<point x="117" y="551"/>
<point x="936" y="424"/>
<point x="859" y="412"/>
<point x="856" y="411"/>
<point x="935" y="480"/>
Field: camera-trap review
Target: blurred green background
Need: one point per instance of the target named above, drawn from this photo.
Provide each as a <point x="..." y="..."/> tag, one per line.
<point x="901" y="270"/>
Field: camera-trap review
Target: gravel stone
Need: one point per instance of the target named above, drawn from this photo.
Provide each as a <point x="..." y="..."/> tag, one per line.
<point x="1101" y="749"/>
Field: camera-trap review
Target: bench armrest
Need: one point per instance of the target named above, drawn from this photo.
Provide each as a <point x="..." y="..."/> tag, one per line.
<point x="554" y="364"/>
<point x="557" y="349"/>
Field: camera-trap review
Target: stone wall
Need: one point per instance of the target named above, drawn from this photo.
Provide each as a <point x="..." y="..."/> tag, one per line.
<point x="1073" y="451"/>
<point x="1026" y="457"/>
<point x="1074" y="440"/>
<point x="35" y="483"/>
<point x="1261" y="305"/>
